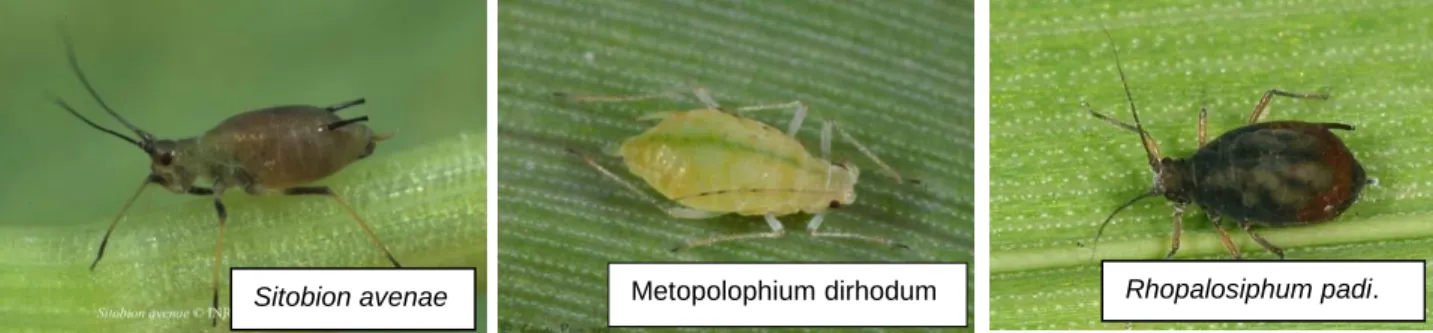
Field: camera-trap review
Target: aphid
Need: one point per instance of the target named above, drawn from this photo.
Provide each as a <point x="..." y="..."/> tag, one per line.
<point x="712" y="161"/>
<point x="1275" y="174"/>
<point x="275" y="150"/>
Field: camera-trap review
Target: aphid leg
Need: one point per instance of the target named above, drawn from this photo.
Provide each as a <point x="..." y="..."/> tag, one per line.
<point x="114" y="222"/>
<point x="1224" y="236"/>
<point x="326" y="191"/>
<point x="345" y="105"/>
<point x="152" y="179"/>
<point x="341" y="123"/>
<point x="826" y="128"/>
<point x="800" y="116"/>
<point x="776" y="231"/>
<point x="1264" y="102"/>
<point x="218" y="255"/>
<point x="705" y="96"/>
<point x="1178" y="229"/>
<point x="1249" y="229"/>
<point x="815" y="224"/>
<point x="590" y="162"/>
<point x="826" y="150"/>
<point x="798" y="113"/>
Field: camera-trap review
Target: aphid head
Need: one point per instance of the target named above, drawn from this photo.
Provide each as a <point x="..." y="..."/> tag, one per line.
<point x="1169" y="179"/>
<point x="166" y="165"/>
<point x="163" y="154"/>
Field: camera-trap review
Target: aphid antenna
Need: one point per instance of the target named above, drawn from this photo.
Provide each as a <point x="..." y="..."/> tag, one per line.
<point x="1095" y="244"/>
<point x="885" y="168"/>
<point x="144" y="142"/>
<point x="144" y="137"/>
<point x="1151" y="149"/>
<point x="625" y="184"/>
<point x="585" y="98"/>
<point x="1203" y="94"/>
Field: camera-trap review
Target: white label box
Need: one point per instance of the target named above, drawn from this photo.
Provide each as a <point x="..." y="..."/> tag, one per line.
<point x="719" y="294"/>
<point x="1263" y="290"/>
<point x="352" y="298"/>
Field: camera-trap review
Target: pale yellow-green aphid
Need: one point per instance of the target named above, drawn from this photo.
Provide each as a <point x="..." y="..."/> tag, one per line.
<point x="711" y="161"/>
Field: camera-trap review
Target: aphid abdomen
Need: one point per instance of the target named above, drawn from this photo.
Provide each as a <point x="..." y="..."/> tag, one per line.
<point x="1277" y="173"/>
<point x="713" y="161"/>
<point x="287" y="146"/>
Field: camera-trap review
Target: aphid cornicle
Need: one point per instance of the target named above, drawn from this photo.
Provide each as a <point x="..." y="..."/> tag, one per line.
<point x="1276" y="174"/>
<point x="275" y="150"/>
<point x="712" y="162"/>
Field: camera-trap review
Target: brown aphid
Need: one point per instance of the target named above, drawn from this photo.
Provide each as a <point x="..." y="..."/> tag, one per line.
<point x="1276" y="174"/>
<point x="275" y="150"/>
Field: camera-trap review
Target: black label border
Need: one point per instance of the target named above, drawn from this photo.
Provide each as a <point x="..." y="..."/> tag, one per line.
<point x="231" y="296"/>
<point x="969" y="296"/>
<point x="1265" y="261"/>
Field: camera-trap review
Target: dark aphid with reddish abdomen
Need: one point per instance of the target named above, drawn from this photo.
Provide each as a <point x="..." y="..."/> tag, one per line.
<point x="1276" y="174"/>
<point x="275" y="150"/>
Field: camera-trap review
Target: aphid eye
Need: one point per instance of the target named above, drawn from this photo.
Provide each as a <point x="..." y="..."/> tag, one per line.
<point x="835" y="204"/>
<point x="165" y="158"/>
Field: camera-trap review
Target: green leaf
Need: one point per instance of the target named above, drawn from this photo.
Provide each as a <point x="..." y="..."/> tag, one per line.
<point x="1056" y="172"/>
<point x="426" y="204"/>
<point x="896" y="75"/>
<point x="176" y="68"/>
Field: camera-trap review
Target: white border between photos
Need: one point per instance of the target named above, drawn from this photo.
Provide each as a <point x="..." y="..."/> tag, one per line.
<point x="981" y="260"/>
<point x="492" y="164"/>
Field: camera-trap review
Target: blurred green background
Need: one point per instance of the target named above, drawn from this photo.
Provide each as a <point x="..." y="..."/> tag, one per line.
<point x="1056" y="172"/>
<point x="896" y="75"/>
<point x="177" y="68"/>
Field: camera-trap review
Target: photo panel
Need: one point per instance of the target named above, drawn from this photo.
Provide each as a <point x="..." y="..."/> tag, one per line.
<point x="647" y="151"/>
<point x="1277" y="183"/>
<point x="172" y="164"/>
